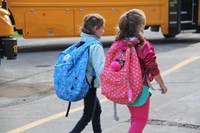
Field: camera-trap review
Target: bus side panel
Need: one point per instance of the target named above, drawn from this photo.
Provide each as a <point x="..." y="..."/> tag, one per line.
<point x="155" y="15"/>
<point x="164" y="9"/>
<point x="35" y="15"/>
<point x="48" y="23"/>
<point x="111" y="16"/>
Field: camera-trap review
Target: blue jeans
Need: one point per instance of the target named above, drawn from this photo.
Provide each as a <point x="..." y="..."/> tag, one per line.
<point x="92" y="111"/>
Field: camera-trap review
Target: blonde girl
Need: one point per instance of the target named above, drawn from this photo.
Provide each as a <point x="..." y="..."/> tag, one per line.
<point x="131" y="27"/>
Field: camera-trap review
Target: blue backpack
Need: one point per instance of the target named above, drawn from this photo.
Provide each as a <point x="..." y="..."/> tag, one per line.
<point x="70" y="81"/>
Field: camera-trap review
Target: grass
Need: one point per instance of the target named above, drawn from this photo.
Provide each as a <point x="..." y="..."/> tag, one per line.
<point x="16" y="35"/>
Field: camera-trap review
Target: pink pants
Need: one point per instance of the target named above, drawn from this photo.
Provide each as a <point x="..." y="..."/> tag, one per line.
<point x="139" y="117"/>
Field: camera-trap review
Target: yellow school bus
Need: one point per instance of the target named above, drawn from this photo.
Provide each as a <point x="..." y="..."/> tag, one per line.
<point x="63" y="18"/>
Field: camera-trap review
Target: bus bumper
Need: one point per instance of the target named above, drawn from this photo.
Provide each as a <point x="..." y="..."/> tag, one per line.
<point x="8" y="48"/>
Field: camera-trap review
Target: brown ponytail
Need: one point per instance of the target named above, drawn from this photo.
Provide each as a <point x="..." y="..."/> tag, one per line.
<point x="90" y="21"/>
<point x="129" y="25"/>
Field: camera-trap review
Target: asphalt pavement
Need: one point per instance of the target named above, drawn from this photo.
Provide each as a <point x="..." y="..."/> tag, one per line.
<point x="180" y="116"/>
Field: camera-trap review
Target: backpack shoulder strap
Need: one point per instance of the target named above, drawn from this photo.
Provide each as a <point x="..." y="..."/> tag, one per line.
<point x="68" y="108"/>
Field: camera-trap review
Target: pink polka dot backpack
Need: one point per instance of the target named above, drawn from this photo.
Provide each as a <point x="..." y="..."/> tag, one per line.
<point x="121" y="79"/>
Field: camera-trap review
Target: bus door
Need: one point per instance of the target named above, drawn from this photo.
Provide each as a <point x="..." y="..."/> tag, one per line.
<point x="189" y="16"/>
<point x="174" y="18"/>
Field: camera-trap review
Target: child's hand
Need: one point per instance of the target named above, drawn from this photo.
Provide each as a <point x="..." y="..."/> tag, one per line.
<point x="163" y="89"/>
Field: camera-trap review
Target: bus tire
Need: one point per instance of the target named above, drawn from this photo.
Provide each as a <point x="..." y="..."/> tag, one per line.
<point x="169" y="35"/>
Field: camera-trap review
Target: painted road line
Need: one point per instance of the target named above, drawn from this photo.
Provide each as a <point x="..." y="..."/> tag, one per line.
<point x="178" y="66"/>
<point x="47" y="119"/>
<point x="56" y="116"/>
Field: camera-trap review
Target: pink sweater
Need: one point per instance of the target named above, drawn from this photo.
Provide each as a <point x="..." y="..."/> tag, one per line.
<point x="147" y="60"/>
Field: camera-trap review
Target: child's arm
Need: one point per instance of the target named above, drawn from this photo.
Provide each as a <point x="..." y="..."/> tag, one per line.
<point x="98" y="59"/>
<point x="160" y="81"/>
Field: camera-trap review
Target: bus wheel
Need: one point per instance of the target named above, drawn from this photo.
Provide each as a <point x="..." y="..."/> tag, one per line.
<point x="169" y="35"/>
